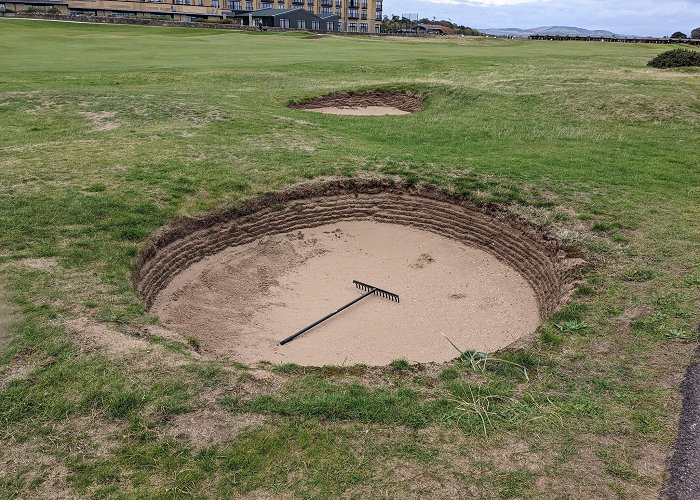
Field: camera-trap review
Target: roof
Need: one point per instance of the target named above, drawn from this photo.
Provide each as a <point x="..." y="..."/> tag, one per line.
<point x="325" y="17"/>
<point x="268" y="12"/>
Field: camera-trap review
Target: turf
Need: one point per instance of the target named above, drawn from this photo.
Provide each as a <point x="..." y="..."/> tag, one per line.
<point x="109" y="132"/>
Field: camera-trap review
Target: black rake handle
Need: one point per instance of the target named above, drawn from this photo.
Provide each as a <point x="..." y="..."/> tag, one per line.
<point x="369" y="290"/>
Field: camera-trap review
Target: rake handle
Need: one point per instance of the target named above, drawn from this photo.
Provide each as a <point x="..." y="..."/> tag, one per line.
<point x="316" y="323"/>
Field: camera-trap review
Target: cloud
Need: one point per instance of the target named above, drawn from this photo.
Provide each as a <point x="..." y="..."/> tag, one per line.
<point x="486" y="3"/>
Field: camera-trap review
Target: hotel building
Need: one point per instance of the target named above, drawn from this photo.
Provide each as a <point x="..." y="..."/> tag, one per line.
<point x="358" y="16"/>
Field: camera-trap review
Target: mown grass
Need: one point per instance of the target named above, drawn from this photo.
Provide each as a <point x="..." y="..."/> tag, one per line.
<point x="581" y="136"/>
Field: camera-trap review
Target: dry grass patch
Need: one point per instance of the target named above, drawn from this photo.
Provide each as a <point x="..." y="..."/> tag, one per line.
<point x="102" y="121"/>
<point x="212" y="426"/>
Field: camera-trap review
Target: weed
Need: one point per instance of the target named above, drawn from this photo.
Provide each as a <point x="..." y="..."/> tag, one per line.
<point x="680" y="334"/>
<point x="449" y="374"/>
<point x="549" y="336"/>
<point x="571" y="326"/>
<point x="400" y="364"/>
<point x="477" y="402"/>
<point x="194" y="343"/>
<point x="480" y="361"/>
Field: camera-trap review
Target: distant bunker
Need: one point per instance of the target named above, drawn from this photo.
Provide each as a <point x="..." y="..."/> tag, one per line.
<point x="241" y="279"/>
<point x="365" y="103"/>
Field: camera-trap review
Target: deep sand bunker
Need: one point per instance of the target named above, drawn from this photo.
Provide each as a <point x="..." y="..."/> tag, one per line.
<point x="240" y="280"/>
<point x="366" y="103"/>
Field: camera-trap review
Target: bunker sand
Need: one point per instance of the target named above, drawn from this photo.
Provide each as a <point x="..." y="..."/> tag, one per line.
<point x="361" y="111"/>
<point x="243" y="300"/>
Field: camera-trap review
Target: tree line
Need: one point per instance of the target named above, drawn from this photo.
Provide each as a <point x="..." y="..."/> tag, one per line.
<point x="695" y="34"/>
<point x="396" y="23"/>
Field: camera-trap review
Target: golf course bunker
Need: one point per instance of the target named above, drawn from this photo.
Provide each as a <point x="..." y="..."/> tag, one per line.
<point x="241" y="279"/>
<point x="365" y="103"/>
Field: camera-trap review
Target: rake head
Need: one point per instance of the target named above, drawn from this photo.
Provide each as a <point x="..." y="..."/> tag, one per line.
<point x="377" y="291"/>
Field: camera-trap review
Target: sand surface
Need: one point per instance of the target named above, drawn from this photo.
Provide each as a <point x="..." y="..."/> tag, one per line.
<point x="242" y="301"/>
<point x="360" y="111"/>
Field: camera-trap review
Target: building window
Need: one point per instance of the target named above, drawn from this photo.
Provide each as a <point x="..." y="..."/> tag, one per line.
<point x="377" y="28"/>
<point x="267" y="5"/>
<point x="325" y="10"/>
<point x="315" y="25"/>
<point x="249" y="5"/>
<point x="300" y="24"/>
<point x="234" y="4"/>
<point x="352" y="27"/>
<point x="214" y="3"/>
<point x="363" y="27"/>
<point x="284" y="22"/>
<point x="352" y="13"/>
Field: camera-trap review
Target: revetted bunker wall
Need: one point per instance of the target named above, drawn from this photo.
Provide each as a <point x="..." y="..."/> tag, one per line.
<point x="405" y="101"/>
<point x="535" y="254"/>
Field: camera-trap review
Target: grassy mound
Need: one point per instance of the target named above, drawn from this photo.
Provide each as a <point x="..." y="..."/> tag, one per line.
<point x="676" y="58"/>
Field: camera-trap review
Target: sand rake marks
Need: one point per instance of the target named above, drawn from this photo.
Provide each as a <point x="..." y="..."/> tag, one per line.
<point x="368" y="289"/>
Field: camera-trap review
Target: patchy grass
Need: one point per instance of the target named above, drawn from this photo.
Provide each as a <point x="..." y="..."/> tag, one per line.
<point x="98" y="152"/>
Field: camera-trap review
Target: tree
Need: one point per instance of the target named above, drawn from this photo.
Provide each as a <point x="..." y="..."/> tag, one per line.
<point x="695" y="34"/>
<point x="679" y="34"/>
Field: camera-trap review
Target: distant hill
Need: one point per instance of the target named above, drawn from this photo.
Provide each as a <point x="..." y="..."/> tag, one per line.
<point x="552" y="30"/>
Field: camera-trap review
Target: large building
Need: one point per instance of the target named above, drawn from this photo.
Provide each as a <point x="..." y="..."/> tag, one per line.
<point x="358" y="16"/>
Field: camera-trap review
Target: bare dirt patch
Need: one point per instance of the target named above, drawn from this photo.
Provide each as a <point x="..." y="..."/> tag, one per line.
<point x="243" y="278"/>
<point x="212" y="426"/>
<point x="101" y="121"/>
<point x="366" y="103"/>
<point x="98" y="336"/>
<point x="624" y="321"/>
<point x="6" y="313"/>
<point x="28" y="464"/>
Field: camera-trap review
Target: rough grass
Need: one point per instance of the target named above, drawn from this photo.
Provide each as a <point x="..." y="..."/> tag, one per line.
<point x="108" y="132"/>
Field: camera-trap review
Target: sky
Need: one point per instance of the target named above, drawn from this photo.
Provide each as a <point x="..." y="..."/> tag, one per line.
<point x="627" y="17"/>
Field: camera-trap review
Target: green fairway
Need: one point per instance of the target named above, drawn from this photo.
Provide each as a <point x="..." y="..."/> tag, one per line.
<point x="109" y="132"/>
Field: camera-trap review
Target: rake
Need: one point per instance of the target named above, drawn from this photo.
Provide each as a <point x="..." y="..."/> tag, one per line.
<point x="368" y="289"/>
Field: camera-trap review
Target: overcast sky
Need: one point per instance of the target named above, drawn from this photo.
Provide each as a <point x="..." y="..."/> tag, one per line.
<point x="628" y="17"/>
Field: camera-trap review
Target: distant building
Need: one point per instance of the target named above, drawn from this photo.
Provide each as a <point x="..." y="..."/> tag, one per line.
<point x="434" y="29"/>
<point x="357" y="16"/>
<point x="298" y="18"/>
